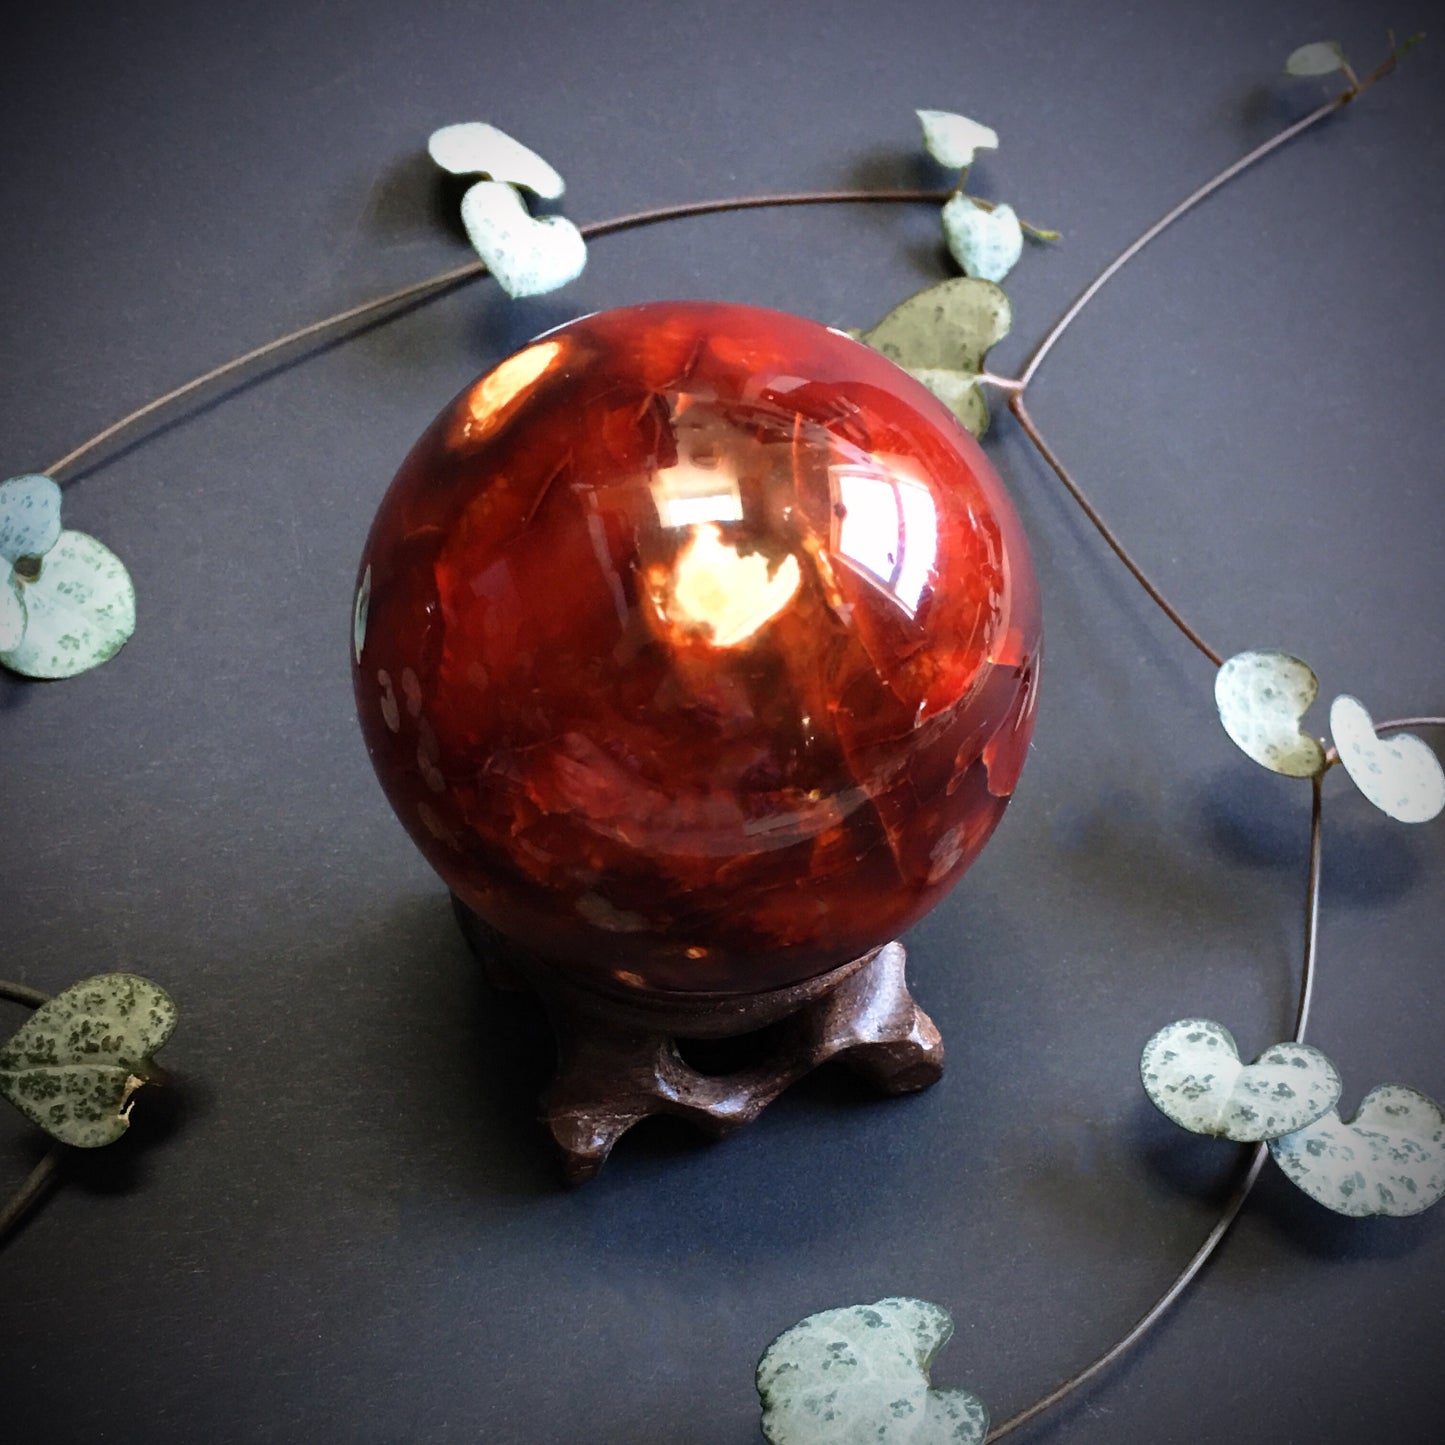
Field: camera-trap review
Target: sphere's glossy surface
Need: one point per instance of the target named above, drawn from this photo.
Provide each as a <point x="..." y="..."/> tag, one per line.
<point x="696" y="647"/>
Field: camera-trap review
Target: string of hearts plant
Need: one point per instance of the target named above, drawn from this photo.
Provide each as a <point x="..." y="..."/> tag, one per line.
<point x="67" y="603"/>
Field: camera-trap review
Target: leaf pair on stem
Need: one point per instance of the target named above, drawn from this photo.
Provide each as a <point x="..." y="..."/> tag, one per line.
<point x="1388" y="1159"/>
<point x="66" y="600"/>
<point x="528" y="254"/>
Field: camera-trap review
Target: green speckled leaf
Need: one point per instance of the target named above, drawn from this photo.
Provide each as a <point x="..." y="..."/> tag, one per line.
<point x="941" y="337"/>
<point x="860" y="1374"/>
<point x="80" y="610"/>
<point x="29" y="517"/>
<point x="959" y="391"/>
<point x="1192" y="1072"/>
<point x="12" y="608"/>
<point x="1262" y="696"/>
<point x="1389" y="1159"/>
<point x="528" y="254"/>
<point x="1400" y="775"/>
<point x="952" y="140"/>
<point x="476" y="149"/>
<point x="985" y="243"/>
<point x="74" y="1065"/>
<point x="1322" y="57"/>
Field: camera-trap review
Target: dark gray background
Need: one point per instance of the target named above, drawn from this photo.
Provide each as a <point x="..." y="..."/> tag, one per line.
<point x="344" y="1224"/>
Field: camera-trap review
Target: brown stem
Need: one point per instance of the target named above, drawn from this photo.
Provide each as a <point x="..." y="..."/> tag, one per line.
<point x="1393" y="58"/>
<point x="1250" y="1169"/>
<point x="1021" y="412"/>
<point x="18" y="1206"/>
<point x="469" y="272"/>
<point x="474" y="269"/>
<point x="20" y="993"/>
<point x="753" y="203"/>
<point x="1356" y="88"/>
<point x="1004" y="383"/>
<point x="1167" y="220"/>
<point x="43" y="1172"/>
<point x="1195" y="197"/>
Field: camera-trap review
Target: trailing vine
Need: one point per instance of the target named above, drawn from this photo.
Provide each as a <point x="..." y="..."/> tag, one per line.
<point x="66" y="603"/>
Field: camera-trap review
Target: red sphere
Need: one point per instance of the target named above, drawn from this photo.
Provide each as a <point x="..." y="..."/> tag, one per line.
<point x="696" y="646"/>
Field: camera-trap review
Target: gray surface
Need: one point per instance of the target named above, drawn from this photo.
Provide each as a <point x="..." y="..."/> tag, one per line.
<point x="345" y="1225"/>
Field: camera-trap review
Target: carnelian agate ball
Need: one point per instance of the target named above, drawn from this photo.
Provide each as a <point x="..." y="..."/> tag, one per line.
<point x="696" y="648"/>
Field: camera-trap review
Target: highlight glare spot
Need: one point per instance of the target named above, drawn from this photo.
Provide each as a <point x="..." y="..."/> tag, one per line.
<point x="714" y="590"/>
<point x="498" y="392"/>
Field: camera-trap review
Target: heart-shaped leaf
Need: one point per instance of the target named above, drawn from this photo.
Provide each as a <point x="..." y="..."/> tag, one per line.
<point x="476" y="149"/>
<point x="941" y="336"/>
<point x="74" y="1065"/>
<point x="80" y="610"/>
<point x="985" y="243"/>
<point x="1389" y="1159"/>
<point x="1401" y="776"/>
<point x="861" y="1374"/>
<point x="1192" y="1071"/>
<point x="12" y="608"/>
<point x="952" y="140"/>
<point x="29" y="517"/>
<point x="1261" y="698"/>
<point x="1321" y="57"/>
<point x="527" y="254"/>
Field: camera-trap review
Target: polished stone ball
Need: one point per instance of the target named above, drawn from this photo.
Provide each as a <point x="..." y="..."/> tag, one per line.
<point x="696" y="646"/>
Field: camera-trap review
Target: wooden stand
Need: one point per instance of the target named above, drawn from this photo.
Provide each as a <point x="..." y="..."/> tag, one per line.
<point x="618" y="1060"/>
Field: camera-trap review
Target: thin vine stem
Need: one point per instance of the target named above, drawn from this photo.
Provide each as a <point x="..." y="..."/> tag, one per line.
<point x="1016" y="388"/>
<point x="457" y="275"/>
<point x="15" y="1209"/>
<point x="45" y="1171"/>
<point x="21" y="993"/>
<point x="1026" y="422"/>
<point x="1190" y="201"/>
<point x="1019" y="386"/>
<point x="1251" y="1168"/>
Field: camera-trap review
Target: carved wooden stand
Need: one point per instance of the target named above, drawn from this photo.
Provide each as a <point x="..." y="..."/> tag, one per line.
<point x="618" y="1060"/>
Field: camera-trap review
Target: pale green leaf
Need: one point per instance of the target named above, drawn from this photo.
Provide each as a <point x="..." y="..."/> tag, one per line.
<point x="1400" y="775"/>
<point x="527" y="254"/>
<point x="1389" y="1159"/>
<point x="476" y="149"/>
<point x="1262" y="696"/>
<point x="12" y="608"/>
<point x="29" y="517"/>
<point x="957" y="390"/>
<point x="952" y="140"/>
<point x="860" y="1376"/>
<point x="74" y="1065"/>
<point x="985" y="243"/>
<point x="941" y="336"/>
<point x="80" y="610"/>
<point x="1192" y="1072"/>
<point x="1322" y="57"/>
